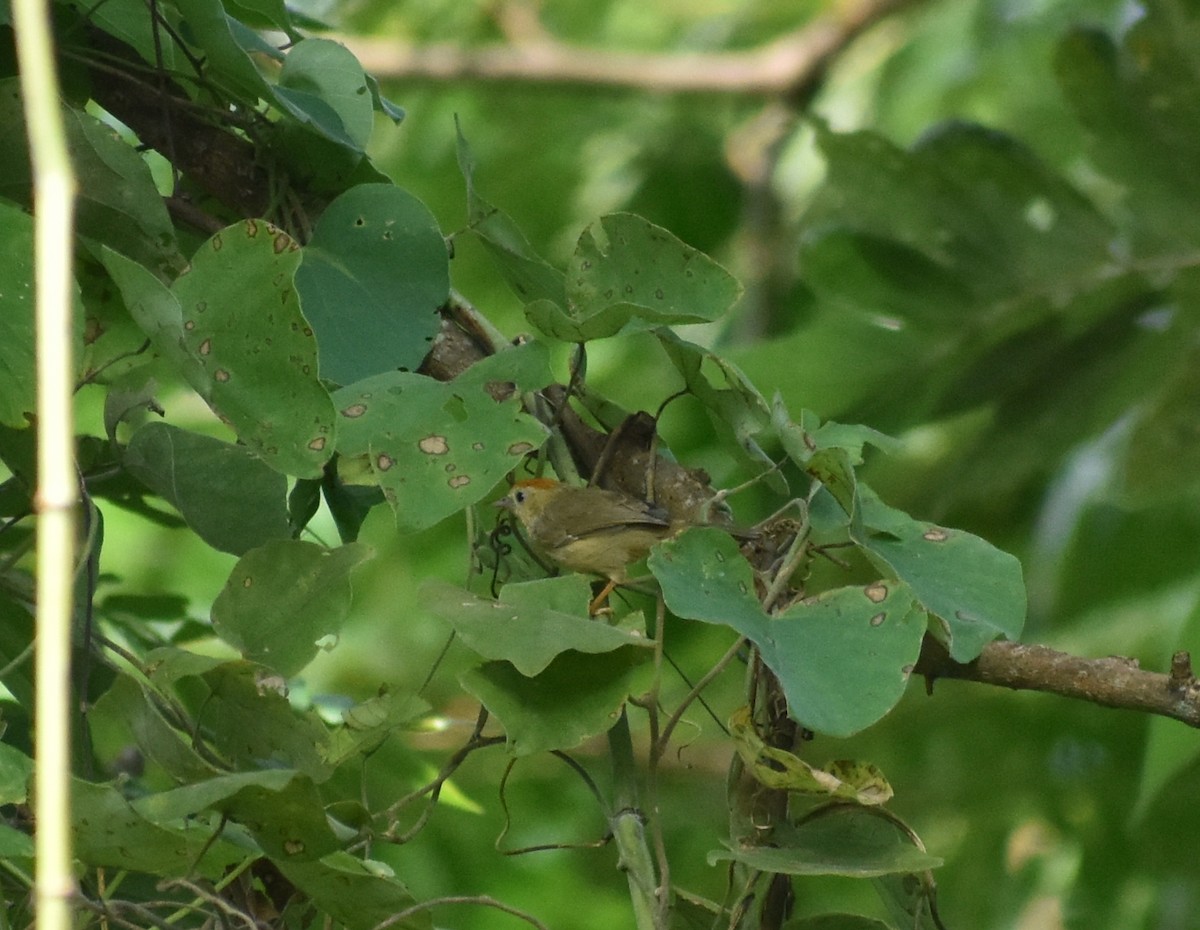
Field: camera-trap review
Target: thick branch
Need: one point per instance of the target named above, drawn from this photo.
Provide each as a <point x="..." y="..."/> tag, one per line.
<point x="778" y="68"/>
<point x="1110" y="682"/>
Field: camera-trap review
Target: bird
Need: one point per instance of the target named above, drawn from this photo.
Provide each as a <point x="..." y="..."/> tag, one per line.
<point x="587" y="529"/>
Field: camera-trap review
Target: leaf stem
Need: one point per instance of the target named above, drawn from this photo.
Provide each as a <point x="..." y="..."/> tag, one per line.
<point x="629" y="830"/>
<point x="57" y="491"/>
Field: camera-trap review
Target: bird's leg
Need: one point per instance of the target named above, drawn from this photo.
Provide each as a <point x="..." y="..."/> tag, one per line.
<point x="595" y="606"/>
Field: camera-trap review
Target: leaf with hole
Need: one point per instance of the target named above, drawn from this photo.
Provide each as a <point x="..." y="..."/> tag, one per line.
<point x="627" y="269"/>
<point x="374" y="275"/>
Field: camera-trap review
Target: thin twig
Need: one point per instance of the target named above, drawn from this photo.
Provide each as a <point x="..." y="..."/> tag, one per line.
<point x="481" y="900"/>
<point x="434" y="787"/>
<point x="659" y="747"/>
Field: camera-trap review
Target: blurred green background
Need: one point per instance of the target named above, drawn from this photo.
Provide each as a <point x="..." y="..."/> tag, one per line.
<point x="1049" y="813"/>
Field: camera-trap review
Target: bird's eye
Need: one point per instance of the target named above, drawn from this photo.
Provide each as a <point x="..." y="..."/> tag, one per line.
<point x="519" y="497"/>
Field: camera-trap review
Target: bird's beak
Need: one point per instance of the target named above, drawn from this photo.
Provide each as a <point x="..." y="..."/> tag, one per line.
<point x="504" y="504"/>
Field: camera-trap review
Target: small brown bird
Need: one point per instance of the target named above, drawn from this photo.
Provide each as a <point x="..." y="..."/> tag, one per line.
<point x="588" y="530"/>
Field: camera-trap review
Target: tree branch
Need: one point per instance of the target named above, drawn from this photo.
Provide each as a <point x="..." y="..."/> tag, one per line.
<point x="778" y="68"/>
<point x="1114" y="681"/>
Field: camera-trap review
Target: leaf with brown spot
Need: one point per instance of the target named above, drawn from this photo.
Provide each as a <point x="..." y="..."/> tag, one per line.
<point x="840" y="657"/>
<point x="232" y="327"/>
<point x="412" y="431"/>
<point x="975" y="588"/>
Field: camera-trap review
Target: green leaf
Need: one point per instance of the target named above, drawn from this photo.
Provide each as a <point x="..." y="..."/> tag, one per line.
<point x="227" y="495"/>
<point x="1138" y="104"/>
<point x="281" y="808"/>
<point x="354" y="893"/>
<point x="262" y="14"/>
<point x="323" y="85"/>
<point x="14" y="844"/>
<point x="117" y="203"/>
<point x="16" y="643"/>
<point x="437" y="447"/>
<point x="1170" y="748"/>
<point x="626" y="268"/>
<point x="827" y="451"/>
<point x="842" y="839"/>
<point x="283" y="597"/>
<point x="374" y="275"/>
<point x="108" y="831"/>
<point x="901" y="285"/>
<point x="810" y="436"/>
<point x="126" y="714"/>
<point x="348" y="504"/>
<point x="304" y="500"/>
<point x="127" y="21"/>
<point x="976" y="203"/>
<point x="733" y="403"/>
<point x="1164" y="447"/>
<point x="576" y="697"/>
<point x="781" y="770"/>
<point x="704" y="577"/>
<point x="16" y="769"/>
<point x="232" y="326"/>
<point x="382" y="104"/>
<point x="531" y="624"/>
<point x="17" y="369"/>
<point x="976" y="590"/>
<point x="838" y="922"/>
<point x="526" y="272"/>
<point x="367" y="724"/>
<point x="249" y="719"/>
<point x="209" y="27"/>
<point x="843" y="657"/>
<point x="846" y="655"/>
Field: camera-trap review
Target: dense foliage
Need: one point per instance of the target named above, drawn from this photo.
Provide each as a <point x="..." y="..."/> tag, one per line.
<point x="275" y="352"/>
